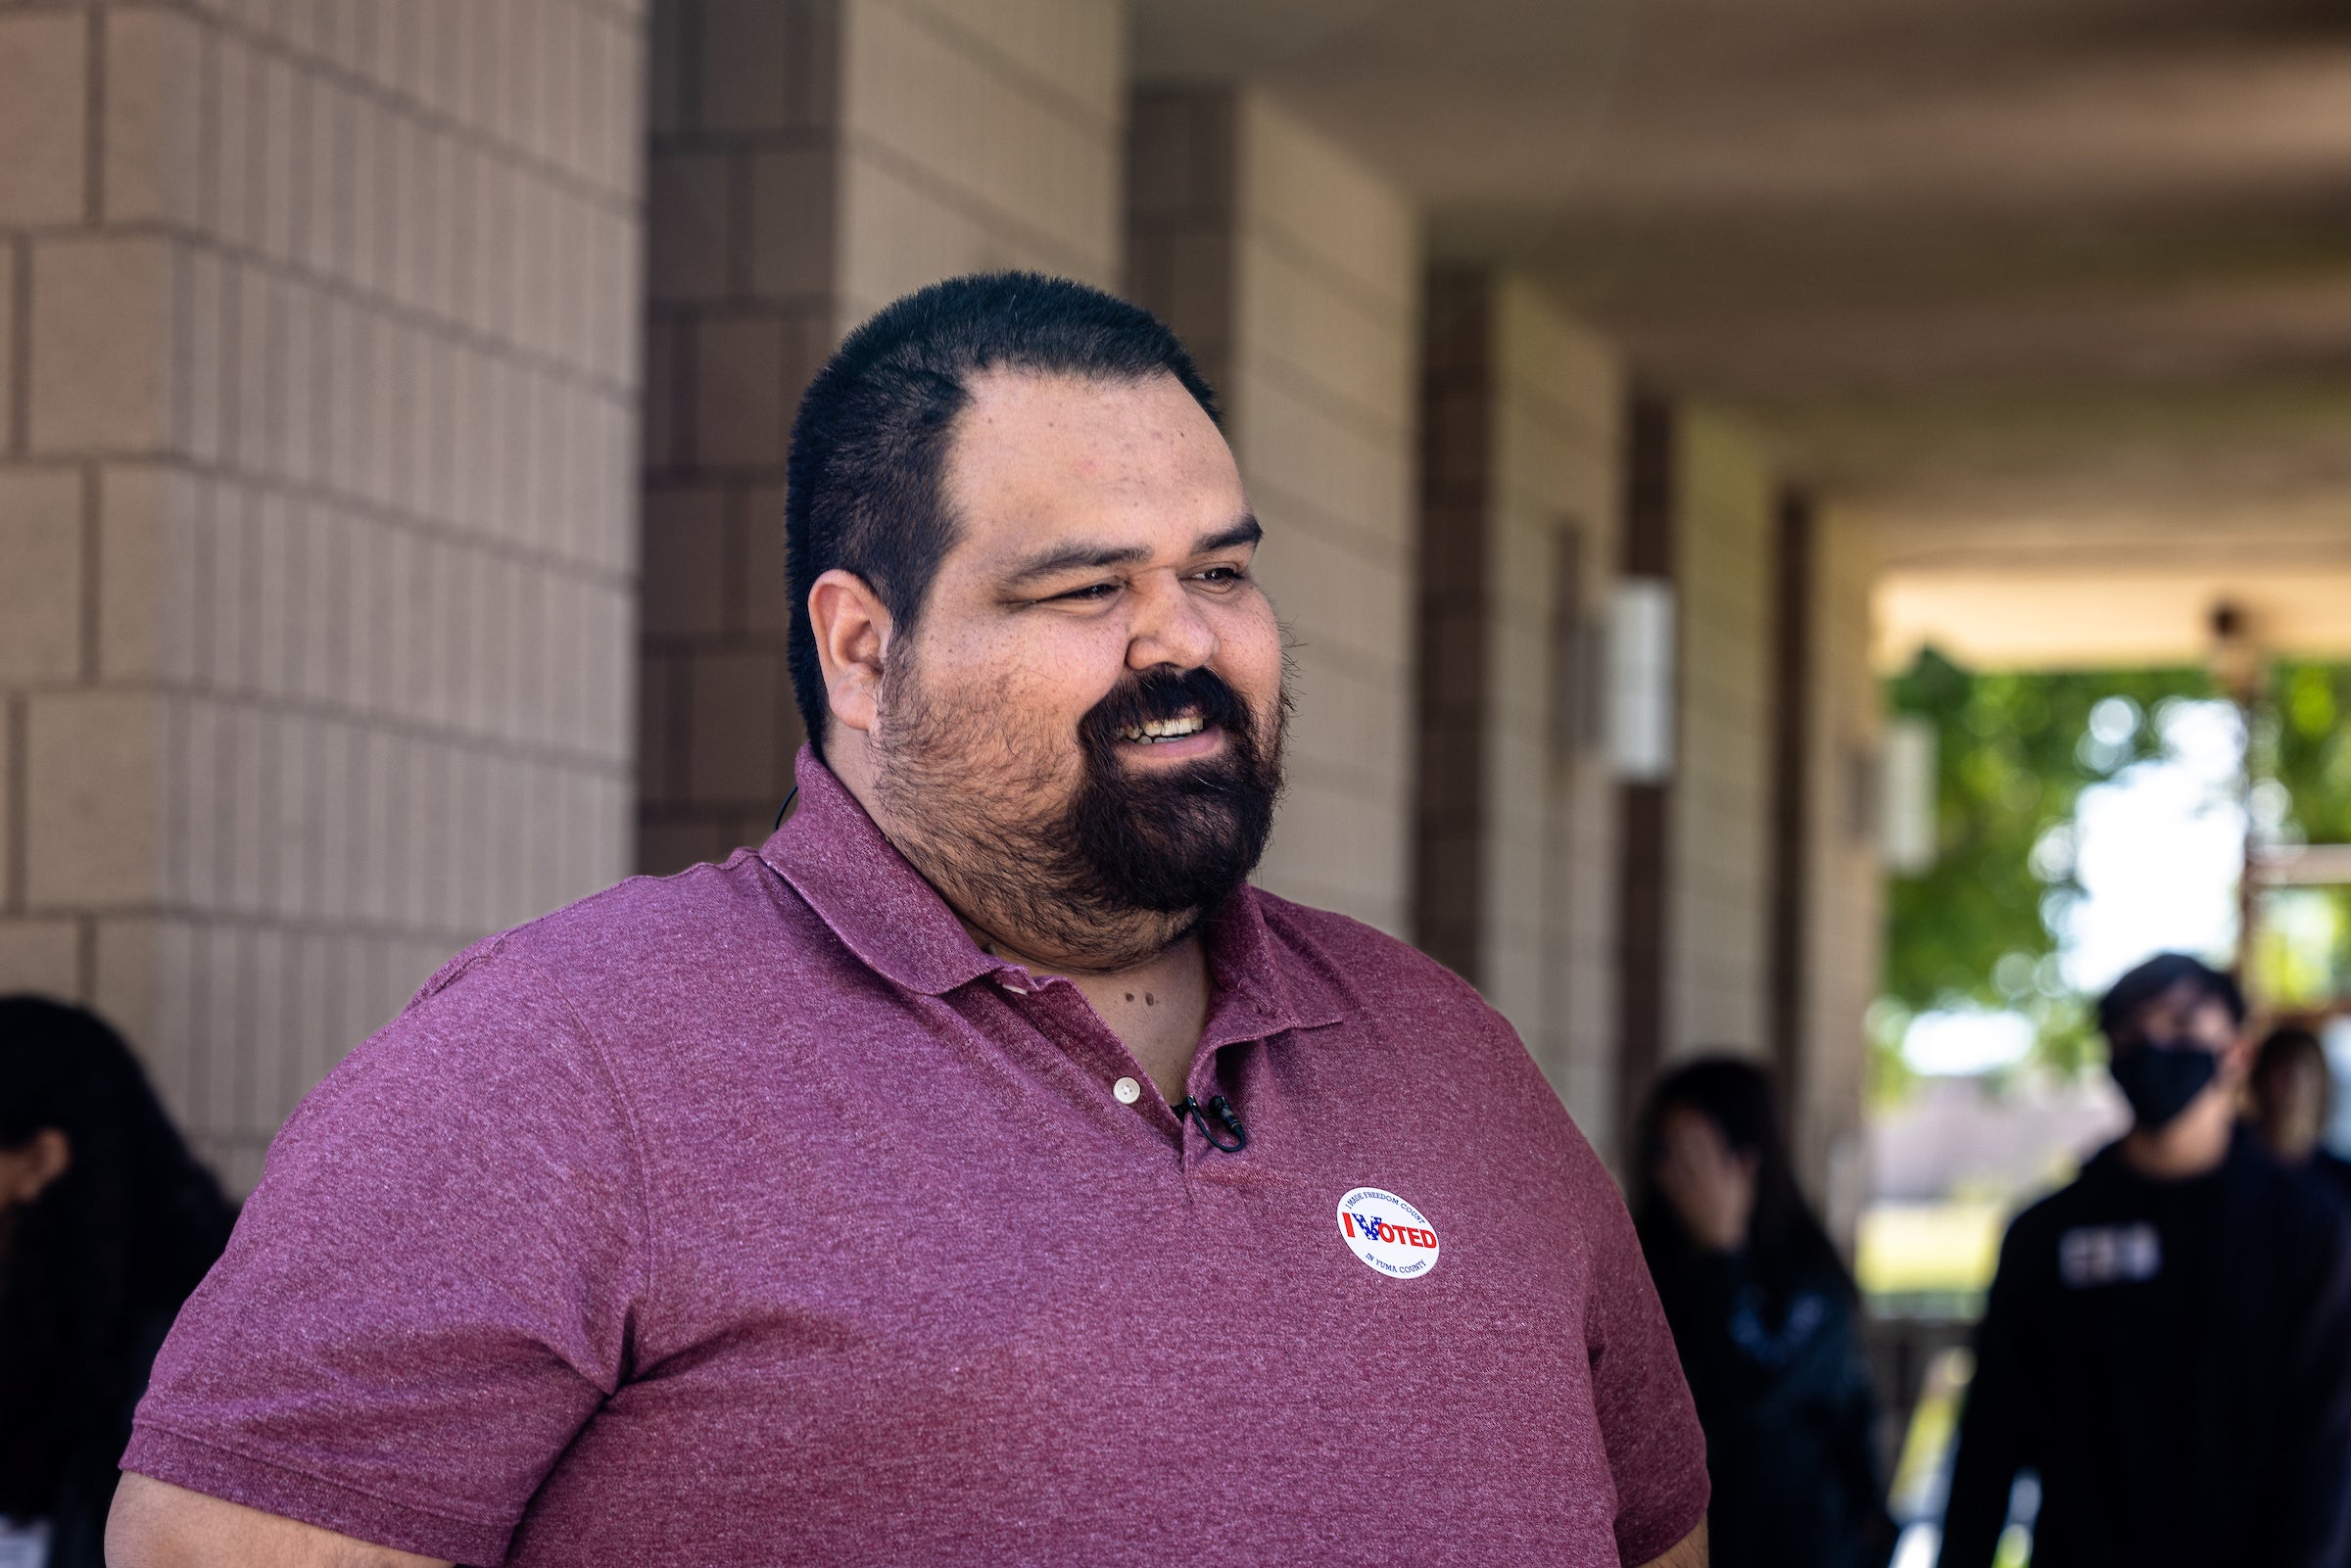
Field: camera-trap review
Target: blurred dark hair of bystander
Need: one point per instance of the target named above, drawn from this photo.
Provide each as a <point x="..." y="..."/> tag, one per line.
<point x="2157" y="978"/>
<point x="107" y="1222"/>
<point x="1785" y="1241"/>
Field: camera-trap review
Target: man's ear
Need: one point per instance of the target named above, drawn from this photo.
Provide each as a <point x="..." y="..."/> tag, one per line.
<point x="853" y="636"/>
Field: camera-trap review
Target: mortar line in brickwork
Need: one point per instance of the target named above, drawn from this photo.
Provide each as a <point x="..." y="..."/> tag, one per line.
<point x="734" y="587"/>
<point x="617" y="16"/>
<point x="518" y="356"/>
<point x="91" y="551"/>
<point x="422" y="113"/>
<point x="683" y="419"/>
<point x="728" y="143"/>
<point x="269" y="923"/>
<point x="741" y="223"/>
<point x="301" y="172"/>
<point x="93" y="130"/>
<point x="686" y="64"/>
<point x="206" y="185"/>
<point x="700" y="473"/>
<point x="242" y="970"/>
<point x="1347" y="412"/>
<point x="1361" y="294"/>
<point x="675" y="644"/>
<point x="18" y="369"/>
<point x="509" y="350"/>
<point x="617" y="767"/>
<point x="197" y="1038"/>
<point x="960" y="198"/>
<point x="977" y="46"/>
<point x="19" y="775"/>
<point x="679" y="812"/>
<point x="85" y="959"/>
<point x="678" y="740"/>
<point x="183" y="336"/>
<point x="587" y="574"/>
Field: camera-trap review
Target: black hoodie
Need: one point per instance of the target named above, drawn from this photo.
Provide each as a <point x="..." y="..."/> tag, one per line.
<point x="2174" y="1359"/>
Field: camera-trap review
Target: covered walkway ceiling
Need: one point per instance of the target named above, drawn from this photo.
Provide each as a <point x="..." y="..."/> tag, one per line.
<point x="2056" y="294"/>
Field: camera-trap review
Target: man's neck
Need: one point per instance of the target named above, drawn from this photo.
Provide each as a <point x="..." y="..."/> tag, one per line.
<point x="2193" y="1144"/>
<point x="1157" y="1007"/>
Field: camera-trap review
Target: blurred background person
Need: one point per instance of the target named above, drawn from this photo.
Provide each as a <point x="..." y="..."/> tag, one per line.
<point x="2292" y="1093"/>
<point x="107" y="1222"/>
<point x="1766" y="1318"/>
<point x="2168" y="1339"/>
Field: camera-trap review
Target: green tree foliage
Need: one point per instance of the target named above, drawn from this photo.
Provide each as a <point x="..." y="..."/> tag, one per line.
<point x="2304" y="746"/>
<point x="2302" y="753"/>
<point x="2013" y="754"/>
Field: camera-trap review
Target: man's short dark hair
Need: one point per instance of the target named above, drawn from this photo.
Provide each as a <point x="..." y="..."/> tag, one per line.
<point x="868" y="443"/>
<point x="2155" y="979"/>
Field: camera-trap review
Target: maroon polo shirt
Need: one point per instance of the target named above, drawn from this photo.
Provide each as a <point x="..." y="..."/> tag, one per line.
<point x="756" y="1216"/>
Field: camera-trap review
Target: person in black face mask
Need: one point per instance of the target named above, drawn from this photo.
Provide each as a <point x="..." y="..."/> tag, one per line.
<point x="2168" y="1340"/>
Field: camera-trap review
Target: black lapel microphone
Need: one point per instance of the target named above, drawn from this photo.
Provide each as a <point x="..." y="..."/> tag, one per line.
<point x="1221" y="1108"/>
<point x="787" y="806"/>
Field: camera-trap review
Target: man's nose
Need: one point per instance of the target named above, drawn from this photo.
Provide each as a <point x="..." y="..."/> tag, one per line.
<point x="1169" y="628"/>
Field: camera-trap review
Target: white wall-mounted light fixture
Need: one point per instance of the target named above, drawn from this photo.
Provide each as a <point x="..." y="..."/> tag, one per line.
<point x="1906" y="795"/>
<point x="1639" y="691"/>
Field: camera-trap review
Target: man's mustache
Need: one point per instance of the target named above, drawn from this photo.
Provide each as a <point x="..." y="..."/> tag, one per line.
<point x="1156" y="694"/>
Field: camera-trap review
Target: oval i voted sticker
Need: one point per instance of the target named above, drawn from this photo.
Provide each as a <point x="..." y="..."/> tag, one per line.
<point x="1387" y="1234"/>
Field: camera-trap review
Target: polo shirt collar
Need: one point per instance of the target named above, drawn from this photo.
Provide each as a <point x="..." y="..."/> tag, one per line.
<point x="898" y="925"/>
<point x="1256" y="988"/>
<point x="860" y="886"/>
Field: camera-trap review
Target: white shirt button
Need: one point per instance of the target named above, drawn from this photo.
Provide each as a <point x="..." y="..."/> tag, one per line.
<point x="1127" y="1091"/>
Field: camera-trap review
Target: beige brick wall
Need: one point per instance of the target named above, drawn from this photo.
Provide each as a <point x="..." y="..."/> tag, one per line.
<point x="974" y="136"/>
<point x="811" y="160"/>
<point x="1516" y="852"/>
<point x="1845" y="936"/>
<point x="1716" y="995"/>
<point x="1294" y="273"/>
<point x="1552" y="890"/>
<point x="319" y="338"/>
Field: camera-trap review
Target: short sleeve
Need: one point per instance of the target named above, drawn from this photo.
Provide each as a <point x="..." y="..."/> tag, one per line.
<point x="1656" y="1450"/>
<point x="434" y="1286"/>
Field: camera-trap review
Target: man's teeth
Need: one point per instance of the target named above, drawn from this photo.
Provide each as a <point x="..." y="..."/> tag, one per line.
<point x="1158" y="730"/>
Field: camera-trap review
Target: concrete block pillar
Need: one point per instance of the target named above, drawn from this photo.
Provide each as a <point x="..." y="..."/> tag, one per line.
<point x="317" y="408"/>
<point x="1294" y="273"/>
<point x="1516" y="843"/>
<point x="811" y="160"/>
<point x="1725" y="517"/>
<point x="1843" y="942"/>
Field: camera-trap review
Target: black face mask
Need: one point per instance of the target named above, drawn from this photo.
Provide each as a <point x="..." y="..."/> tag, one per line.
<point x="2159" y="1078"/>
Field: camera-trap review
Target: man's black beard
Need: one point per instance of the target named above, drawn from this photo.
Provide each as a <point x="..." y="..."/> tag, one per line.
<point x="1131" y="862"/>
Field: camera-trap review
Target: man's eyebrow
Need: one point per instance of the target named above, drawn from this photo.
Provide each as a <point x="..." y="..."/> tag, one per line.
<point x="1085" y="557"/>
<point x="1244" y="532"/>
<point x="1077" y="558"/>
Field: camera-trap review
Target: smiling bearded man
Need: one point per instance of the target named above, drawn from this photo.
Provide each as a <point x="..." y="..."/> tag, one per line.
<point x="981" y="1171"/>
<point x="1139" y="850"/>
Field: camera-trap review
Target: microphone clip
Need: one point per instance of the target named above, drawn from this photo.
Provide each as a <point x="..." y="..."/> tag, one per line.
<point x="1221" y="1108"/>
